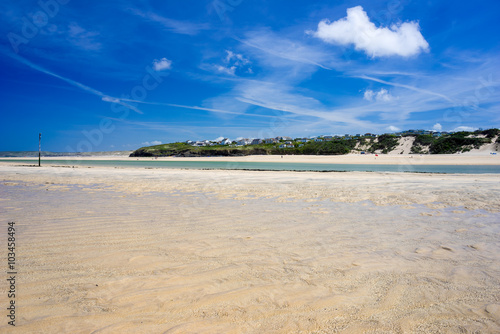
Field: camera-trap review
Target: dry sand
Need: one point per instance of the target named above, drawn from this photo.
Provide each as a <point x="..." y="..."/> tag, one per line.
<point x="104" y="250"/>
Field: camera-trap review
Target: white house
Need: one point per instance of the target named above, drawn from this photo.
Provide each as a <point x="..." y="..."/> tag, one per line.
<point x="244" y="141"/>
<point x="256" y="142"/>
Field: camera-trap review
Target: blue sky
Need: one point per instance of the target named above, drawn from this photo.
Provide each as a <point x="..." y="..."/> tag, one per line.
<point x="118" y="75"/>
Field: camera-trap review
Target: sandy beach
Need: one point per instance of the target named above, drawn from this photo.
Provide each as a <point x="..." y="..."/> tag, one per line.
<point x="129" y="250"/>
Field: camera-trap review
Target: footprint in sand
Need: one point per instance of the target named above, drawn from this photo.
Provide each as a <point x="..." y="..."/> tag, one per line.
<point x="423" y="250"/>
<point x="494" y="311"/>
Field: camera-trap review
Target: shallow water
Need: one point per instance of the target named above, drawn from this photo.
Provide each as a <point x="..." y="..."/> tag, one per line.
<point x="277" y="166"/>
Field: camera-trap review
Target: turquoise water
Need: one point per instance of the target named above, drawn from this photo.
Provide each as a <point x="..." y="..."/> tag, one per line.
<point x="280" y="166"/>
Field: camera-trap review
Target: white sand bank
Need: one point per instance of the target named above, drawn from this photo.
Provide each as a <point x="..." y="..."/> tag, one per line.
<point x="135" y="250"/>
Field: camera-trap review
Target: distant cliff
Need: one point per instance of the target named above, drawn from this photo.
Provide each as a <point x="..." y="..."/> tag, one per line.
<point x="458" y="142"/>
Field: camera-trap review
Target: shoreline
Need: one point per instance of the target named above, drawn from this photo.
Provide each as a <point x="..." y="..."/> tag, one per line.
<point x="202" y="169"/>
<point x="302" y="185"/>
<point x="355" y="159"/>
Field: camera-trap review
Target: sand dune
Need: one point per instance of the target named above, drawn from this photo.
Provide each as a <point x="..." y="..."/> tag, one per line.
<point x="171" y="251"/>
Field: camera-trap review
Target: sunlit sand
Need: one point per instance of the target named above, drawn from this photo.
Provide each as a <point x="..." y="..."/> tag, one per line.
<point x="174" y="251"/>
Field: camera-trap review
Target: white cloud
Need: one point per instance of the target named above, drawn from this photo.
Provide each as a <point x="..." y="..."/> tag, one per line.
<point x="381" y="96"/>
<point x="393" y="128"/>
<point x="162" y="64"/>
<point x="384" y="95"/>
<point x="111" y="99"/>
<point x="233" y="62"/>
<point x="152" y="143"/>
<point x="368" y="96"/>
<point x="399" y="40"/>
<point x="236" y="58"/>
<point x="226" y="70"/>
<point x="437" y="127"/>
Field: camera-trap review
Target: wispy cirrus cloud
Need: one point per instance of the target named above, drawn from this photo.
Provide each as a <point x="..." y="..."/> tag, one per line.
<point x="281" y="51"/>
<point x="104" y="97"/>
<point x="82" y="38"/>
<point x="410" y="87"/>
<point x="176" y="26"/>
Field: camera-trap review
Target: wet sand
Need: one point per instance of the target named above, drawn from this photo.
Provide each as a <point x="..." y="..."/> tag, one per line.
<point x="111" y="250"/>
<point x="399" y="159"/>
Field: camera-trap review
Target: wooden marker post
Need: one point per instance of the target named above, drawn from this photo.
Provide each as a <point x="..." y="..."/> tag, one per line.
<point x="39" y="149"/>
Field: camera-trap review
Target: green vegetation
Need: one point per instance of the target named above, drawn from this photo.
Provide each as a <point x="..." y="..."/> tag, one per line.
<point x="490" y="133"/>
<point x="447" y="144"/>
<point x="183" y="149"/>
<point x="423" y="140"/>
<point x="327" y="147"/>
<point x="421" y="144"/>
<point x="386" y="143"/>
<point x="457" y="142"/>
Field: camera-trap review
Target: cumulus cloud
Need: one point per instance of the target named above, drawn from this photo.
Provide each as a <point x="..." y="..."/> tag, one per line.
<point x="437" y="127"/>
<point x="234" y="62"/>
<point x="399" y="40"/>
<point x="162" y="64"/>
<point x="152" y="143"/>
<point x="368" y="96"/>
<point x="393" y="128"/>
<point x="236" y="58"/>
<point x="226" y="70"/>
<point x="381" y="96"/>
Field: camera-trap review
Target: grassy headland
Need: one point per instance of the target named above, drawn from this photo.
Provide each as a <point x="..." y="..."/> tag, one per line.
<point x="457" y="142"/>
